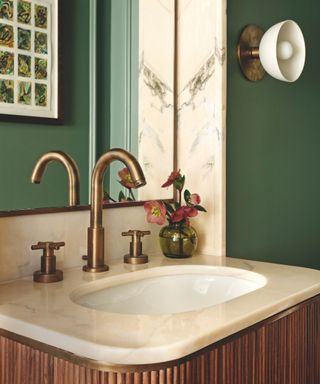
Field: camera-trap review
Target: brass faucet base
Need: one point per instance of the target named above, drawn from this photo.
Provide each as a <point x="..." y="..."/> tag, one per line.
<point x="104" y="268"/>
<point x="40" y="277"/>
<point x="142" y="259"/>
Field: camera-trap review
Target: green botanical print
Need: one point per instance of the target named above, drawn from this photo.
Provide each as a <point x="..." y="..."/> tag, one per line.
<point x="40" y="43"/>
<point x="24" y="39"/>
<point x="24" y="92"/>
<point x="24" y="66"/>
<point x="24" y="12"/>
<point x="41" y="95"/>
<point x="40" y="16"/>
<point x="6" y="9"/>
<point x="7" y="91"/>
<point x="6" y="35"/>
<point x="6" y="63"/>
<point x="40" y="68"/>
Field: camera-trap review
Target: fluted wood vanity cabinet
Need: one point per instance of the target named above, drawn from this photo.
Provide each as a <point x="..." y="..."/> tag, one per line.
<point x="282" y="349"/>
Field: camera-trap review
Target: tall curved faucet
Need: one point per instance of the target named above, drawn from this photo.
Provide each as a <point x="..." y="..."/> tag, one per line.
<point x="71" y="167"/>
<point x="95" y="260"/>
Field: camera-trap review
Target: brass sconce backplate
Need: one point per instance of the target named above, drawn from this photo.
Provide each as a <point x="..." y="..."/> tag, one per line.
<point x="248" y="52"/>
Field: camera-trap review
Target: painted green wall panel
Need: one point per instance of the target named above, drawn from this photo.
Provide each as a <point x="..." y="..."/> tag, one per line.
<point x="273" y="141"/>
<point x="118" y="82"/>
<point x="21" y="144"/>
<point x="118" y="56"/>
<point x="103" y="75"/>
<point x="134" y="59"/>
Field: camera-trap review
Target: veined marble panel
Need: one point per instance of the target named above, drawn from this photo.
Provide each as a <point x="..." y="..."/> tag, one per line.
<point x="156" y="36"/>
<point x="156" y="70"/>
<point x="201" y="113"/>
<point x="201" y="126"/>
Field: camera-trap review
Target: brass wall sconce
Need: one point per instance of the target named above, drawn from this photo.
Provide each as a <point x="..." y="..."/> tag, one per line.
<point x="280" y="51"/>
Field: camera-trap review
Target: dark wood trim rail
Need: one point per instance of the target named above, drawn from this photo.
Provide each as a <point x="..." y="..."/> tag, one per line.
<point x="284" y="349"/>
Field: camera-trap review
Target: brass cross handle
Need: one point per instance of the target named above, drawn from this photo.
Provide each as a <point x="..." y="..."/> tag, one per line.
<point x="48" y="272"/>
<point x="135" y="256"/>
<point x="135" y="232"/>
<point x="48" y="247"/>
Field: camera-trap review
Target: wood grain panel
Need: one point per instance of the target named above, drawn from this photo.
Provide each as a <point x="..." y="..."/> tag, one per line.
<point x="284" y="349"/>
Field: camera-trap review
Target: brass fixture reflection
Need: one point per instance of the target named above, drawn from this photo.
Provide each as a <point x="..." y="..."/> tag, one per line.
<point x="71" y="167"/>
<point x="48" y="272"/>
<point x="135" y="256"/>
<point x="95" y="260"/>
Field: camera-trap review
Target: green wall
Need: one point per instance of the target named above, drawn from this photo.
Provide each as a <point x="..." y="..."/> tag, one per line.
<point x="21" y="144"/>
<point x="273" y="146"/>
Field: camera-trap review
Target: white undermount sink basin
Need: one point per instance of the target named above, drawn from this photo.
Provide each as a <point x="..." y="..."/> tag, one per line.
<point x="168" y="289"/>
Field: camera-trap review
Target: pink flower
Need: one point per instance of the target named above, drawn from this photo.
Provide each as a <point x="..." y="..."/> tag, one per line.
<point x="159" y="211"/>
<point x="173" y="176"/>
<point x="156" y="212"/>
<point x="195" y="199"/>
<point x="190" y="212"/>
<point x="183" y="213"/>
<point x="178" y="215"/>
<point x="125" y="178"/>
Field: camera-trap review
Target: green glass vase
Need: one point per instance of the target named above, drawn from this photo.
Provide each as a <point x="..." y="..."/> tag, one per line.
<point x="178" y="240"/>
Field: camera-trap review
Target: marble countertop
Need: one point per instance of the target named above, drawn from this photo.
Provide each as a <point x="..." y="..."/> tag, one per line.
<point x="46" y="313"/>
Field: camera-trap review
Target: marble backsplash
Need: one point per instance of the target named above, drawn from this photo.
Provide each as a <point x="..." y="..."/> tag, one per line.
<point x="18" y="233"/>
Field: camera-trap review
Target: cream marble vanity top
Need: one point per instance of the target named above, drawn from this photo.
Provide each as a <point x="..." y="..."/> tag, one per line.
<point x="45" y="312"/>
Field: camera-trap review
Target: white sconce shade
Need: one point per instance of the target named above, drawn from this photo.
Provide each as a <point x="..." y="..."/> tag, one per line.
<point x="280" y="51"/>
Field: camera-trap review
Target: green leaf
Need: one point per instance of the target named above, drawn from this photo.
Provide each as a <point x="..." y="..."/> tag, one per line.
<point x="187" y="195"/>
<point x="179" y="183"/>
<point x="169" y="207"/>
<point x="121" y="196"/>
<point x="132" y="198"/>
<point x="176" y="205"/>
<point x="106" y="196"/>
<point x="200" y="208"/>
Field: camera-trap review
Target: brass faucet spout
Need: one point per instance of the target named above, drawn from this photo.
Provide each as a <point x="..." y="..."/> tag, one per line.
<point x="95" y="261"/>
<point x="72" y="170"/>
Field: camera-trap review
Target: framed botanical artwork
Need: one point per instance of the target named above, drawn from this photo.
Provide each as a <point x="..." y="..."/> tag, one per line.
<point x="30" y="61"/>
